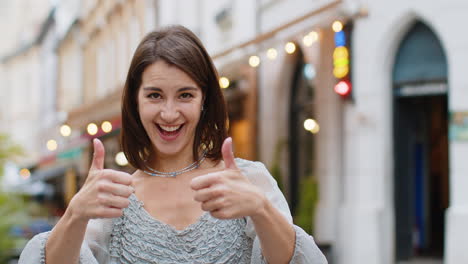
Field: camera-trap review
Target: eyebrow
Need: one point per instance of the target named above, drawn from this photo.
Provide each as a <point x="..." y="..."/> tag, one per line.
<point x="183" y="89"/>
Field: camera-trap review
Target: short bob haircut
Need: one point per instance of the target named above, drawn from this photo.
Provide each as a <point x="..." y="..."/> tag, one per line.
<point x="179" y="47"/>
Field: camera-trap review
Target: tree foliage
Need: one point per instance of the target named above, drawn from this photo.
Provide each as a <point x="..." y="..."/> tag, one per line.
<point x="8" y="151"/>
<point x="11" y="205"/>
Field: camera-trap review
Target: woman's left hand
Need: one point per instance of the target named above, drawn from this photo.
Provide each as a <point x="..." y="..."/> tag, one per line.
<point x="228" y="193"/>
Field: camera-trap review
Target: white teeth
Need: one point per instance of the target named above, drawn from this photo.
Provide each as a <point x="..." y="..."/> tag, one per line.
<point x="169" y="128"/>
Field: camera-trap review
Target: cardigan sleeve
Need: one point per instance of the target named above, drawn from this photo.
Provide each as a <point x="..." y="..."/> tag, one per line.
<point x="305" y="250"/>
<point x="94" y="249"/>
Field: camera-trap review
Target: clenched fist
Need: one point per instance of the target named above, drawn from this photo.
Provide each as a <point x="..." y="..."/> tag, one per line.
<point x="228" y="193"/>
<point x="105" y="192"/>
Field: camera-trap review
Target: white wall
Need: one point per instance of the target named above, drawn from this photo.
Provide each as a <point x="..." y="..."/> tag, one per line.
<point x="278" y="12"/>
<point x="199" y="16"/>
<point x="71" y="80"/>
<point x="48" y="80"/>
<point x="22" y="116"/>
<point x="366" y="232"/>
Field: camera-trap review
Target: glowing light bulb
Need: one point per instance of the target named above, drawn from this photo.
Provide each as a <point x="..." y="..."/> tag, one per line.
<point x="254" y="61"/>
<point x="343" y="88"/>
<point x="106" y="126"/>
<point x="290" y="47"/>
<point x="224" y="82"/>
<point x="314" y="35"/>
<point x="272" y="53"/>
<point x="311" y="125"/>
<point x="25" y="173"/>
<point x="120" y="159"/>
<point x="315" y="129"/>
<point x="92" y="129"/>
<point x="307" y="40"/>
<point x="52" y="145"/>
<point x="337" y="26"/>
<point x="65" y="130"/>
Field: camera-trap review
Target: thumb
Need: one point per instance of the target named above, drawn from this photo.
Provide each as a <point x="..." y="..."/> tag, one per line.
<point x="228" y="155"/>
<point x="98" y="157"/>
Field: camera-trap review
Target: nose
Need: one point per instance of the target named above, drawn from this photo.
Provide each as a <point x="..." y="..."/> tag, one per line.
<point x="169" y="112"/>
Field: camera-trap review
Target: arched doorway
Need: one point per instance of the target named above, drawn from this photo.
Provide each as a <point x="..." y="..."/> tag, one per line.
<point x="420" y="144"/>
<point x="301" y="143"/>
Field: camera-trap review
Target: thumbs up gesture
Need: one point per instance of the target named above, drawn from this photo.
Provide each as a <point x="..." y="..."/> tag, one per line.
<point x="228" y="194"/>
<point x="105" y="192"/>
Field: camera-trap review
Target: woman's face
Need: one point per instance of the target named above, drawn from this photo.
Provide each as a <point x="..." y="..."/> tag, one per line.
<point x="169" y="104"/>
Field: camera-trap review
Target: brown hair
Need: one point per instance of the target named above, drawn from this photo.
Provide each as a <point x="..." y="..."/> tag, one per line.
<point x="179" y="47"/>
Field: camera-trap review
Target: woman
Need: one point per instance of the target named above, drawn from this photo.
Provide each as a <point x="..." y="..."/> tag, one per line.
<point x="190" y="200"/>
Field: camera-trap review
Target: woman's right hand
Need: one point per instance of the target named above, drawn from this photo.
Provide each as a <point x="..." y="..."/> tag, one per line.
<point x="105" y="192"/>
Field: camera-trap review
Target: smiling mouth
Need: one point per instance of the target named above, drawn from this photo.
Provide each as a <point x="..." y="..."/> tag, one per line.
<point x="169" y="130"/>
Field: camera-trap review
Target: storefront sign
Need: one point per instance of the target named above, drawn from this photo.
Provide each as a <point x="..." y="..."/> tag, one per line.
<point x="459" y="126"/>
<point x="422" y="89"/>
<point x="74" y="153"/>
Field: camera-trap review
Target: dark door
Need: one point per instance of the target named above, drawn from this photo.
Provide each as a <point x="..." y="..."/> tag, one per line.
<point x="420" y="144"/>
<point x="421" y="175"/>
<point x="301" y="142"/>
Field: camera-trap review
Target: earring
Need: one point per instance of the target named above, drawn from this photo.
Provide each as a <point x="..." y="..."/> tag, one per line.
<point x="202" y="108"/>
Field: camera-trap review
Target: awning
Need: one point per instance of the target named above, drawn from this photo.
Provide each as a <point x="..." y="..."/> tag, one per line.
<point x="43" y="175"/>
<point x="36" y="183"/>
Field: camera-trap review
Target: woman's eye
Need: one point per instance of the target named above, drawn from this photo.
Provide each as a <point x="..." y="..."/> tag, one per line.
<point x="186" y="95"/>
<point x="154" y="95"/>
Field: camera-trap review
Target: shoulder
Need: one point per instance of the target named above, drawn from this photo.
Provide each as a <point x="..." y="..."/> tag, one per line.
<point x="248" y="164"/>
<point x="256" y="172"/>
<point x="249" y="167"/>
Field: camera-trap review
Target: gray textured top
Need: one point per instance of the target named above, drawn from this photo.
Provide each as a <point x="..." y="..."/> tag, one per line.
<point x="143" y="239"/>
<point x="137" y="237"/>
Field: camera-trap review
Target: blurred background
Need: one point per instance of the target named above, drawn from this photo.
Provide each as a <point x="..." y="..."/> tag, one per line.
<point x="357" y="107"/>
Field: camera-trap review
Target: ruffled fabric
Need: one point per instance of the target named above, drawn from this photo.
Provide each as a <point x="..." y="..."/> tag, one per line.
<point x="306" y="251"/>
<point x="139" y="238"/>
<point x="34" y="251"/>
<point x="258" y="174"/>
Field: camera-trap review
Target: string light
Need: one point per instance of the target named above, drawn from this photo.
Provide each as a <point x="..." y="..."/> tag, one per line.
<point x="314" y="36"/>
<point x="290" y="47"/>
<point x="120" y="159"/>
<point x="343" y="88"/>
<point x="272" y="53"/>
<point x="65" y="130"/>
<point x="315" y="129"/>
<point x="307" y="40"/>
<point x="311" y="125"/>
<point x="337" y="26"/>
<point x="25" y="173"/>
<point x="254" y="61"/>
<point x="106" y="126"/>
<point x="52" y="145"/>
<point x="92" y="129"/>
<point x="224" y="82"/>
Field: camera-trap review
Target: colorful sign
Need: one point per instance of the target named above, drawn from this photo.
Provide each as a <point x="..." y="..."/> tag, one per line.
<point x="341" y="61"/>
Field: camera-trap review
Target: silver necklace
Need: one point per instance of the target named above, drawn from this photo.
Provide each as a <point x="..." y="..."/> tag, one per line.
<point x="190" y="167"/>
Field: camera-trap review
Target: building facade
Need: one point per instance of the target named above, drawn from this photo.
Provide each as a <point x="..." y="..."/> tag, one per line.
<point x="75" y="63"/>
<point x="404" y="166"/>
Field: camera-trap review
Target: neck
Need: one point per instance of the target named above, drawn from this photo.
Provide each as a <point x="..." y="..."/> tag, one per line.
<point x="170" y="163"/>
